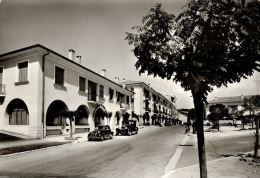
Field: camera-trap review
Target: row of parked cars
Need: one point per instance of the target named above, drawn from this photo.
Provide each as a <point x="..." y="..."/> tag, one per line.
<point x="103" y="132"/>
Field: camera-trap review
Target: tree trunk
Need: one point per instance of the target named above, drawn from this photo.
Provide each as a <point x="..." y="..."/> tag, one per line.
<point x="218" y="124"/>
<point x="256" y="137"/>
<point x="199" y="108"/>
<point x="70" y="128"/>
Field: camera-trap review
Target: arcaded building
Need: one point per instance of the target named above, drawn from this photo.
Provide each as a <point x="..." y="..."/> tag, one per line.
<point x="38" y="85"/>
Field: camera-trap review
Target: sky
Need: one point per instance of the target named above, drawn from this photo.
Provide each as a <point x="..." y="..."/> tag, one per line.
<point x="96" y="29"/>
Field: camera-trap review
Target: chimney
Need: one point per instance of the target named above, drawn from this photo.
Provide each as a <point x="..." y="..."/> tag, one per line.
<point x="123" y="82"/>
<point x="103" y="72"/>
<point x="117" y="80"/>
<point x="71" y="54"/>
<point x="78" y="59"/>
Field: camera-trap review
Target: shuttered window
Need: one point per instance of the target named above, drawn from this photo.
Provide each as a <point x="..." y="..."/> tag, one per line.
<point x="82" y="84"/>
<point x="23" y="71"/>
<point x="19" y="117"/>
<point x="59" y="76"/>
<point x="111" y="93"/>
<point x="101" y="91"/>
<point x="1" y="75"/>
<point x="92" y="91"/>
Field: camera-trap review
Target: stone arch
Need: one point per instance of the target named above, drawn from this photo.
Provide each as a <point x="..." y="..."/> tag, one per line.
<point x="126" y="117"/>
<point x="118" y="115"/>
<point x="99" y="115"/>
<point x="17" y="112"/>
<point x="54" y="116"/>
<point x="146" y="118"/>
<point x="82" y="116"/>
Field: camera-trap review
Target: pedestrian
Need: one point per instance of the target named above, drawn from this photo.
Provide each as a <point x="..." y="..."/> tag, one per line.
<point x="187" y="127"/>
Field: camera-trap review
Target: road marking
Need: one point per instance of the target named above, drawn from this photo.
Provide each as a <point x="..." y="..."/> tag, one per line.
<point x="166" y="175"/>
<point x="246" y="142"/>
<point x="176" y="157"/>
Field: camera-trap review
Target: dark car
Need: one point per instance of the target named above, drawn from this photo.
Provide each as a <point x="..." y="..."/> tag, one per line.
<point x="128" y="128"/>
<point x="101" y="132"/>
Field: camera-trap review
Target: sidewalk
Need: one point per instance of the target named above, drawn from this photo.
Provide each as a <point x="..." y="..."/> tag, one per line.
<point x="61" y="138"/>
<point x="230" y="167"/>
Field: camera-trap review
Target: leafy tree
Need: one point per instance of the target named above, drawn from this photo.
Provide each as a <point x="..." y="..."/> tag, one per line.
<point x="217" y="112"/>
<point x="210" y="43"/>
<point x="252" y="105"/>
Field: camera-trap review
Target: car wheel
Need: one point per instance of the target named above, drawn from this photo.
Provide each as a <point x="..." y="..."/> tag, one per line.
<point x="129" y="133"/>
<point x="136" y="132"/>
<point x="102" y="137"/>
<point x="111" y="136"/>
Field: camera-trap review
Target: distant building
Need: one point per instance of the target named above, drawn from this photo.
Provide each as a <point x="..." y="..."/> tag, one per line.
<point x="37" y="85"/>
<point x="233" y="103"/>
<point x="150" y="106"/>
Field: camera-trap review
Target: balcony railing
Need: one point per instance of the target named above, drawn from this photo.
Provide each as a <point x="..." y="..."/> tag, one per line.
<point x="2" y="90"/>
<point x="124" y="106"/>
<point x="101" y="98"/>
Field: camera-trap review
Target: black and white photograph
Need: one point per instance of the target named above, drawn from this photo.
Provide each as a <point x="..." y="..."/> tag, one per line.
<point x="130" y="88"/>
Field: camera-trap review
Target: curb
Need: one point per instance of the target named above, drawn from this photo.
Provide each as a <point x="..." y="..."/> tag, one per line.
<point x="30" y="151"/>
<point x="176" y="156"/>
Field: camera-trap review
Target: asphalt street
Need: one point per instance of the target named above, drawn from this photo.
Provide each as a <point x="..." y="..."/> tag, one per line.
<point x="142" y="155"/>
<point x="216" y="149"/>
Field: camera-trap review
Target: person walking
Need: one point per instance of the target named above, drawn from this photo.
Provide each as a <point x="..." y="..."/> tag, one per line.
<point x="187" y="127"/>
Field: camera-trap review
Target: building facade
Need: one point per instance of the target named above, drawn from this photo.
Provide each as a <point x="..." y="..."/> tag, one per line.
<point x="150" y="106"/>
<point x="38" y="85"/>
<point x="234" y="104"/>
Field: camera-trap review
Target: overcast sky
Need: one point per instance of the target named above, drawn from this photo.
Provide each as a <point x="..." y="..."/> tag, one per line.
<point x="95" y="29"/>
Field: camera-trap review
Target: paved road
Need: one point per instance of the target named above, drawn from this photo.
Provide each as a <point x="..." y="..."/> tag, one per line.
<point x="217" y="148"/>
<point x="142" y="155"/>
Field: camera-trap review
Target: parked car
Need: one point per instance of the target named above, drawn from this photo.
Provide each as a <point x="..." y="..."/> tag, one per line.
<point x="207" y="123"/>
<point x="128" y="128"/>
<point x="226" y="122"/>
<point x="102" y="132"/>
<point x="237" y="123"/>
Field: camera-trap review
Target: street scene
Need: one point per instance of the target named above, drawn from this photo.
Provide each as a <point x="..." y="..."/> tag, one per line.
<point x="130" y="89"/>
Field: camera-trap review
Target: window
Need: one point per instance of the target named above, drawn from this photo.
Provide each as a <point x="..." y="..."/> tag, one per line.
<point x="92" y="91"/>
<point x="82" y="84"/>
<point x="111" y="94"/>
<point x="59" y="76"/>
<point x="101" y="92"/>
<point x="127" y="99"/>
<point x="1" y="75"/>
<point x="118" y="95"/>
<point x="23" y="71"/>
<point x="18" y="117"/>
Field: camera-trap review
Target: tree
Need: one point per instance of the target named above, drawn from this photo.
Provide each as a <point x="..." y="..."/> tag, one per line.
<point x="252" y="105"/>
<point x="210" y="43"/>
<point x="217" y="112"/>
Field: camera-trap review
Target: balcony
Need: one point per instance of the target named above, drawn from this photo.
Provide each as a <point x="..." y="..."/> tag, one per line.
<point x="124" y="106"/>
<point x="93" y="99"/>
<point x="2" y="90"/>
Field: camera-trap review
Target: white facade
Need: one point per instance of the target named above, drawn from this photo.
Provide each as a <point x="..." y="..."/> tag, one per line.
<point x="40" y="95"/>
<point x="150" y="106"/>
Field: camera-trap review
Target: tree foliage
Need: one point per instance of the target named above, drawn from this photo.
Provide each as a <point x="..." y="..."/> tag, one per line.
<point x="252" y="105"/>
<point x="217" y="112"/>
<point x="210" y="43"/>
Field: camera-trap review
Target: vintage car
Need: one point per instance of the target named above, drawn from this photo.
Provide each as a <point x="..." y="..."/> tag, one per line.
<point x="128" y="128"/>
<point x="101" y="132"/>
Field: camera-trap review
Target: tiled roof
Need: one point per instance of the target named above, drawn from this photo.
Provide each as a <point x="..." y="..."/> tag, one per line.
<point x="230" y="99"/>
